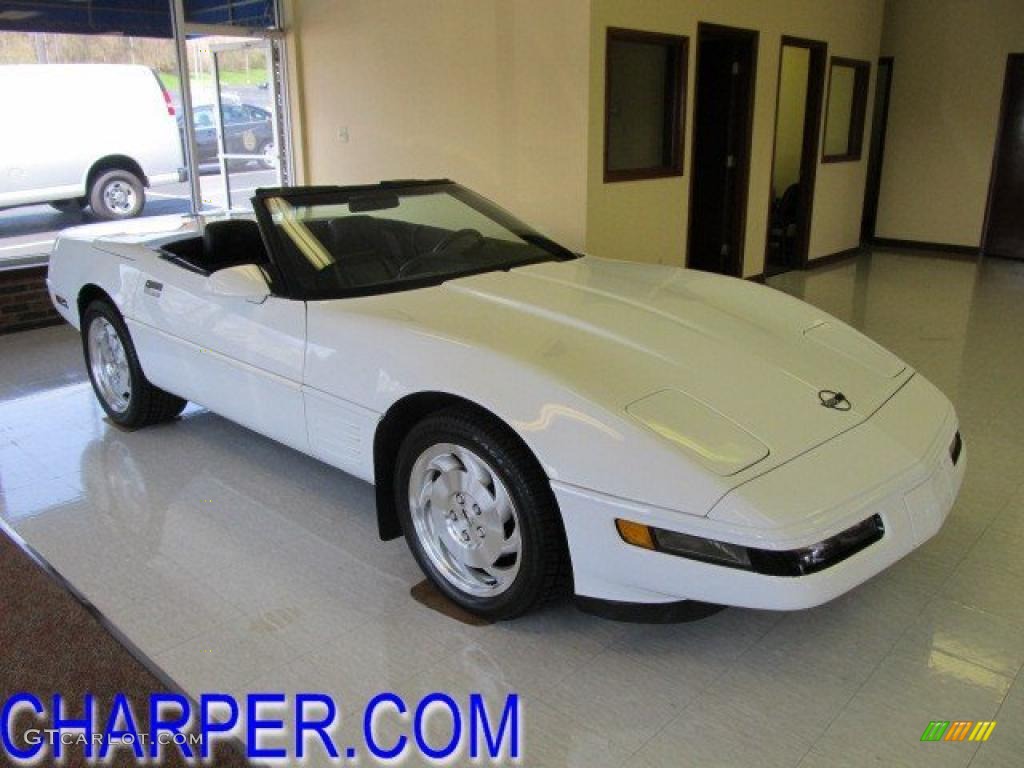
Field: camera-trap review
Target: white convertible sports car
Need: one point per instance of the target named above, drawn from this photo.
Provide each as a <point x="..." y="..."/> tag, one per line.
<point x="657" y="440"/>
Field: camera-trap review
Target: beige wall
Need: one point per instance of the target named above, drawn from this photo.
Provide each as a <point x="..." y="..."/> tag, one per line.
<point x="789" y="123"/>
<point x="948" y="69"/>
<point x="647" y="220"/>
<point x="490" y="93"/>
<point x="507" y="97"/>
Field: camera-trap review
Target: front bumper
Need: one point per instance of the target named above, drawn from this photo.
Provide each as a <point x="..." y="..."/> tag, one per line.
<point x="897" y="465"/>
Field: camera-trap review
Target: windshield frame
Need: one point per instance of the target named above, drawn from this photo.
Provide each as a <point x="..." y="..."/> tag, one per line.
<point x="282" y="257"/>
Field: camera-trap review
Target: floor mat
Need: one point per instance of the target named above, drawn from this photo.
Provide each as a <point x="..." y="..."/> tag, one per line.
<point x="52" y="643"/>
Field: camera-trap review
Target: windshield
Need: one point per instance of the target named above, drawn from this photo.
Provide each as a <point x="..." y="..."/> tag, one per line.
<point x="360" y="241"/>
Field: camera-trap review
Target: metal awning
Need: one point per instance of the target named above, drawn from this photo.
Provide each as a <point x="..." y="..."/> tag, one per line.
<point x="138" y="18"/>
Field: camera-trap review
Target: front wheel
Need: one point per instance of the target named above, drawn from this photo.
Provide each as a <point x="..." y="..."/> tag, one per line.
<point x="116" y="195"/>
<point x="121" y="387"/>
<point x="479" y="515"/>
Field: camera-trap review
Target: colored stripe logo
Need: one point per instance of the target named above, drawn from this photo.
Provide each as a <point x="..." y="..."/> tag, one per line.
<point x="958" y="730"/>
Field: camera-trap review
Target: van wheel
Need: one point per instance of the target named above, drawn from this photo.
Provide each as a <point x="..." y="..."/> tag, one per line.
<point x="117" y="195"/>
<point x="74" y="205"/>
<point x="268" y="156"/>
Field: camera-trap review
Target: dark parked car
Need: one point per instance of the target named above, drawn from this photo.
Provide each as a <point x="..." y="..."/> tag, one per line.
<point x="248" y="130"/>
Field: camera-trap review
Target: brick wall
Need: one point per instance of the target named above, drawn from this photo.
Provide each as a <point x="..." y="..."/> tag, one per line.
<point x="24" y="302"/>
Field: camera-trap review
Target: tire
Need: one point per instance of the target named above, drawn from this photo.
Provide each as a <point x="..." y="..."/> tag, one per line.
<point x="266" y="162"/>
<point x="72" y="206"/>
<point x="117" y="195"/>
<point x="117" y="378"/>
<point x="459" y="440"/>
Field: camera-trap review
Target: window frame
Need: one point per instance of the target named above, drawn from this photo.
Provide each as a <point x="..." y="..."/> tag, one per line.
<point x="282" y="260"/>
<point x="675" y="129"/>
<point x="858" y="110"/>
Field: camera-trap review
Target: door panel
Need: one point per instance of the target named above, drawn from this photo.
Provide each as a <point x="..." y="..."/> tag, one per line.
<point x="240" y="359"/>
<point x="1004" y="234"/>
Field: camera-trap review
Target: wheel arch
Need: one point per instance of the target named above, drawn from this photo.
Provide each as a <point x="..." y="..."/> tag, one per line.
<point x="392" y="429"/>
<point x="114" y="163"/>
<point x="89" y="293"/>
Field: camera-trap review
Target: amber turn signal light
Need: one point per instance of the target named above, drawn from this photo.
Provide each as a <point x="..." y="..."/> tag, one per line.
<point x="635" y="533"/>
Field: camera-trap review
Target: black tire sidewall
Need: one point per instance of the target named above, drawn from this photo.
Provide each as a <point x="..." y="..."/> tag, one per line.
<point x="262" y="163"/>
<point x="98" y="204"/>
<point x="133" y="414"/>
<point x="522" y="486"/>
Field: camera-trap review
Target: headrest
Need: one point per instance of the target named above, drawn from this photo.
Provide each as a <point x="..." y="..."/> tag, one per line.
<point x="234" y="239"/>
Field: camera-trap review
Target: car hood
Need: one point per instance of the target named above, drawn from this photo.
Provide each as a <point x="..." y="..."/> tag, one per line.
<point x="732" y="373"/>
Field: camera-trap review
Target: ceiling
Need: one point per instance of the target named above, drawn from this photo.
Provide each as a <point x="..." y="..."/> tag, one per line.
<point x="138" y="18"/>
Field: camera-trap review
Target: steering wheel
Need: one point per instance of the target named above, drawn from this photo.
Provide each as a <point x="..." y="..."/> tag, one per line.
<point x="439" y="249"/>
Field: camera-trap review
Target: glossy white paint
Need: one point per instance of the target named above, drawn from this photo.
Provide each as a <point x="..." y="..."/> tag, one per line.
<point x="682" y="399"/>
<point x="246" y="281"/>
<point x="72" y="116"/>
<point x="239" y="358"/>
<point x="896" y="465"/>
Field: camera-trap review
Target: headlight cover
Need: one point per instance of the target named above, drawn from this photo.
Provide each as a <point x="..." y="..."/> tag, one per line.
<point x="717" y="442"/>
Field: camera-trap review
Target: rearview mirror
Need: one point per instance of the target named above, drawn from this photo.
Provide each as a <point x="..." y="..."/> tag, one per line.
<point x="373" y="202"/>
<point x="245" y="281"/>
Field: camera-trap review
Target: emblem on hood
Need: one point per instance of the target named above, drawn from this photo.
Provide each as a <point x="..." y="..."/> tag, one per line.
<point x="835" y="400"/>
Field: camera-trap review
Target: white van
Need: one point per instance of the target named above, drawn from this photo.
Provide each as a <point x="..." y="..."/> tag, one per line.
<point x="86" y="134"/>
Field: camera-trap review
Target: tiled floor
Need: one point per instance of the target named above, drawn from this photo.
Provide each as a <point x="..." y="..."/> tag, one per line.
<point x="238" y="564"/>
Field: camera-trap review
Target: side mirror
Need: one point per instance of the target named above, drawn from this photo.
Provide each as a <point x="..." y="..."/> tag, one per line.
<point x="245" y="281"/>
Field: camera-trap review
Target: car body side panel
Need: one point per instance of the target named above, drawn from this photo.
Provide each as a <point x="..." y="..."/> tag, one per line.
<point x="108" y="256"/>
<point x="241" y="360"/>
<point x="75" y="263"/>
<point x="238" y="358"/>
<point x="341" y="433"/>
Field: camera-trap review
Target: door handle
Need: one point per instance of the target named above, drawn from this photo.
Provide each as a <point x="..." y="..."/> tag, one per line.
<point x="153" y="288"/>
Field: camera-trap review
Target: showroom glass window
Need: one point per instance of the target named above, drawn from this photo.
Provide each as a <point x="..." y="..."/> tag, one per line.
<point x="645" y="104"/>
<point x="847" y="105"/>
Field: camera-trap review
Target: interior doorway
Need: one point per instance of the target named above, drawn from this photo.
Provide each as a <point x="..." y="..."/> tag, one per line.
<point x="795" y="158"/>
<point x="883" y="87"/>
<point x="1004" y="225"/>
<point x="723" y="122"/>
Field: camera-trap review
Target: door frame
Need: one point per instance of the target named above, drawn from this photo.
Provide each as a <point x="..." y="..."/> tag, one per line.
<point x="751" y="36"/>
<point x="816" y="70"/>
<point x="1004" y="106"/>
<point x="873" y="162"/>
<point x="278" y="73"/>
<point x="224" y="157"/>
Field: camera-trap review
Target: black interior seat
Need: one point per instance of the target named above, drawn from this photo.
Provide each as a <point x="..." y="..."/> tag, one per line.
<point x="363" y="250"/>
<point x="232" y="242"/>
<point x="352" y="235"/>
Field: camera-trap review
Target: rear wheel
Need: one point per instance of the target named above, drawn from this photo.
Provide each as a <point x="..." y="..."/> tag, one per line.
<point x="268" y="156"/>
<point x="479" y="515"/>
<point x="121" y="387"/>
<point x="117" y="194"/>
